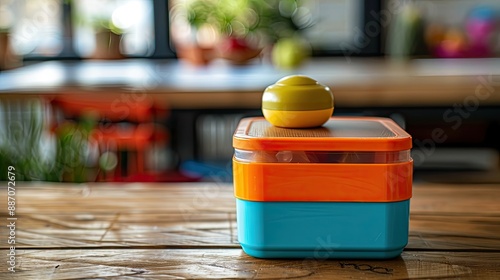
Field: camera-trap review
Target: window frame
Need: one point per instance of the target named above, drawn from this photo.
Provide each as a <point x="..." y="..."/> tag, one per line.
<point x="163" y="49"/>
<point x="161" y="34"/>
<point x="368" y="10"/>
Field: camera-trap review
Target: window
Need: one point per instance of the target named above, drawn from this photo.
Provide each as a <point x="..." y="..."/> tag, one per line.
<point x="48" y="29"/>
<point x="35" y="26"/>
<point x="132" y="19"/>
<point x="331" y="27"/>
<point x="69" y="28"/>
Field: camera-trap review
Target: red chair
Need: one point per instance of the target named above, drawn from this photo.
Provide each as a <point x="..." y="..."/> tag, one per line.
<point x="127" y="128"/>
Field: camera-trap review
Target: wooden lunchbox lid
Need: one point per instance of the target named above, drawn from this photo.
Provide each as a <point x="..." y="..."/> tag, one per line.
<point x="338" y="134"/>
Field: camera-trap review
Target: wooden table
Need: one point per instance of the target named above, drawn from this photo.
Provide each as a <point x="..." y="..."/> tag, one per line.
<point x="135" y="231"/>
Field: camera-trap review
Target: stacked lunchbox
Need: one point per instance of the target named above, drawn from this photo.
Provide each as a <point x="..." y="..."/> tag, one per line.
<point x="341" y="190"/>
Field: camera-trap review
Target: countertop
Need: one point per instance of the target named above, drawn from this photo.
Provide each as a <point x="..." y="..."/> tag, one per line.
<point x="188" y="230"/>
<point x="356" y="82"/>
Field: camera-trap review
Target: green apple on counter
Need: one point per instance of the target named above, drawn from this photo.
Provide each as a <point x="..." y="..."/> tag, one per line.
<point x="290" y="52"/>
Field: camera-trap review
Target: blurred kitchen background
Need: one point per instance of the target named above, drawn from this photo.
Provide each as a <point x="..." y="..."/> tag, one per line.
<point x="152" y="90"/>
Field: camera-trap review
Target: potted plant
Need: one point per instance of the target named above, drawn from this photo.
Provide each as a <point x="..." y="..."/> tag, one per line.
<point x="193" y="34"/>
<point x="8" y="59"/>
<point x="107" y="40"/>
<point x="6" y="55"/>
<point x="20" y="142"/>
<point x="100" y="22"/>
<point x="39" y="154"/>
<point x="240" y="25"/>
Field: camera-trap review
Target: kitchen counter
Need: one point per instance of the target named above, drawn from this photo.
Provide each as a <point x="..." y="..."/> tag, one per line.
<point x="152" y="231"/>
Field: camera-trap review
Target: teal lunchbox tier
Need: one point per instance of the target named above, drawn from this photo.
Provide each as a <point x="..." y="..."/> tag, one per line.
<point x="323" y="230"/>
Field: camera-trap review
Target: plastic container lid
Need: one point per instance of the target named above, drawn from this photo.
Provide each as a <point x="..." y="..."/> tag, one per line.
<point x="297" y="93"/>
<point x="338" y="134"/>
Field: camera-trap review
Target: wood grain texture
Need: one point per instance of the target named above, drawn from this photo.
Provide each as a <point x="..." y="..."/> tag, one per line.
<point x="235" y="264"/>
<point x="135" y="231"/>
<point x="181" y="198"/>
<point x="172" y="215"/>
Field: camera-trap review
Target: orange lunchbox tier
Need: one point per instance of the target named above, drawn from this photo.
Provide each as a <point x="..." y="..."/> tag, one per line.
<point x="338" y="134"/>
<point x="256" y="181"/>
